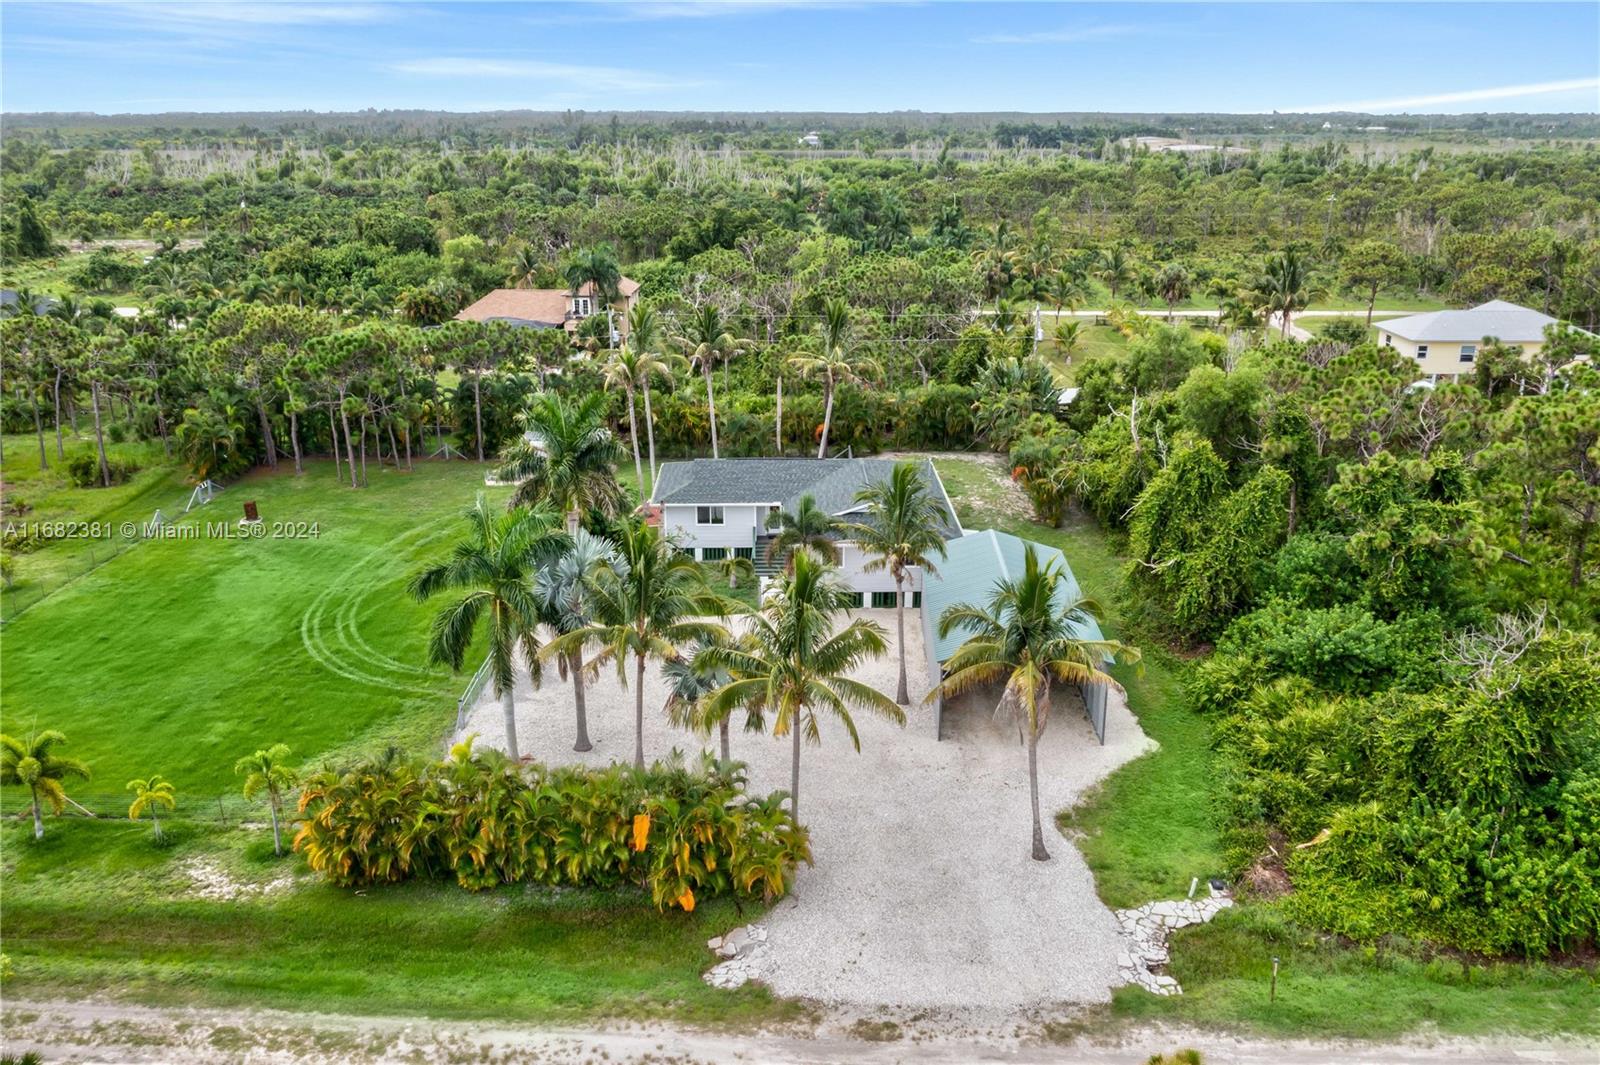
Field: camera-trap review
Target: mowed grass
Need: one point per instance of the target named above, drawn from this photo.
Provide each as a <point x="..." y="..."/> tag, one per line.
<point x="180" y="655"/>
<point x="98" y="908"/>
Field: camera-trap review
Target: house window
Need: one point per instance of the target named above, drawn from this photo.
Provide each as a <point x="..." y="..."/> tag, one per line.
<point x="686" y="552"/>
<point x="713" y="554"/>
<point x="1388" y="341"/>
<point x="882" y="600"/>
<point x="852" y="600"/>
<point x="1468" y="352"/>
<point x="581" y="306"/>
<point x="916" y="600"/>
<point x="708" y="515"/>
<point x="1422" y="351"/>
<point x="744" y="552"/>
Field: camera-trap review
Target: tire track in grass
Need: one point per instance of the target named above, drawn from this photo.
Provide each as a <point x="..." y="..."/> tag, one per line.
<point x="351" y="657"/>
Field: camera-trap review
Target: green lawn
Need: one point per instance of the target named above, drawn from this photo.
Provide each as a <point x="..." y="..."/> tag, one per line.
<point x="179" y="655"/>
<point x="98" y="908"/>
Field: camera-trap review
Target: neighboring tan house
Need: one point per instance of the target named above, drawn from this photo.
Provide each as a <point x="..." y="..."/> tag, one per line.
<point x="553" y="308"/>
<point x="1444" y="345"/>
<point x="717" y="508"/>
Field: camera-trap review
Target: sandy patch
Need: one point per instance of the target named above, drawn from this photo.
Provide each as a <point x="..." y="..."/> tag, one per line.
<point x="923" y="893"/>
<point x="211" y="881"/>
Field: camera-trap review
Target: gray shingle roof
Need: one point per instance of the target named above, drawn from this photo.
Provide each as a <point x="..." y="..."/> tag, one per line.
<point x="1507" y="322"/>
<point x="833" y="483"/>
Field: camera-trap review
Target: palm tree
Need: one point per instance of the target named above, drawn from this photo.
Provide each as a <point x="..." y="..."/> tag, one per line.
<point x="564" y="604"/>
<point x="834" y="363"/>
<point x="265" y="771"/>
<point x="525" y="266"/>
<point x="1069" y="336"/>
<point x="1173" y="284"/>
<point x="647" y="605"/>
<point x="621" y="370"/>
<point x="152" y="794"/>
<point x="904" y="528"/>
<point x="566" y="458"/>
<point x="1026" y="635"/>
<point x="493" y="565"/>
<point x="1114" y="268"/>
<point x="35" y="765"/>
<point x="1284" y="287"/>
<point x="650" y="365"/>
<point x="690" y="678"/>
<point x="736" y="568"/>
<point x="596" y="266"/>
<point x="808" y="527"/>
<point x="794" y="665"/>
<point x="705" y="341"/>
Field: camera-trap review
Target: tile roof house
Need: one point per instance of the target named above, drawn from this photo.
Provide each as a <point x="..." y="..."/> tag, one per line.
<point x="551" y="308"/>
<point x="716" y="508"/>
<point x="1445" y="344"/>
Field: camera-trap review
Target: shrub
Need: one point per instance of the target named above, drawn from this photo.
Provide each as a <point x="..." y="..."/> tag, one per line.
<point x="83" y="469"/>
<point x="685" y="833"/>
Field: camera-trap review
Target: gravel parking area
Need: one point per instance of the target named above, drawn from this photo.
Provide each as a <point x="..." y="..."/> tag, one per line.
<point x="923" y="894"/>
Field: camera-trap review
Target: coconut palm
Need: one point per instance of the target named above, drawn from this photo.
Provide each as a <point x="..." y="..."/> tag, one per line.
<point x="33" y="764"/>
<point x="266" y="771"/>
<point x="595" y="266"/>
<point x="1284" y="287"/>
<point x="1173" y="284"/>
<point x="1114" y="267"/>
<point x="649" y="604"/>
<point x="795" y="666"/>
<point x="565" y="458"/>
<point x="834" y="362"/>
<point x="1069" y="337"/>
<point x="153" y="794"/>
<point x="563" y="591"/>
<point x="493" y="565"/>
<point x="651" y="365"/>
<point x="621" y="370"/>
<point x="705" y="341"/>
<point x="690" y="678"/>
<point x="808" y="527"/>
<point x="904" y="527"/>
<point x="736" y="568"/>
<point x="1026" y="636"/>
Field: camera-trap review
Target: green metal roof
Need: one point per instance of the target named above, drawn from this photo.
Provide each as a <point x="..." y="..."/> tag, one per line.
<point x="967" y="574"/>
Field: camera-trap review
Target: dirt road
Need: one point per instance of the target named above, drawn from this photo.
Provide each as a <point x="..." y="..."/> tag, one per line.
<point x="116" y="1032"/>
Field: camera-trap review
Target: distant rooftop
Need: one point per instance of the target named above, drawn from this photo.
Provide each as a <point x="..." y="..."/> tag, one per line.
<point x="1504" y="321"/>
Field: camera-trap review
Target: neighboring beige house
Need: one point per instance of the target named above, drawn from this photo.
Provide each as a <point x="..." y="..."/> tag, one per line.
<point x="1445" y="344"/>
<point x="553" y="308"/>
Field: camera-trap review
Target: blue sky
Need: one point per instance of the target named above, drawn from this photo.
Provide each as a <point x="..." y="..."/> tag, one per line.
<point x="789" y="55"/>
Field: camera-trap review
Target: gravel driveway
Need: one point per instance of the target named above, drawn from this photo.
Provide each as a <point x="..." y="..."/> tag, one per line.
<point x="923" y="893"/>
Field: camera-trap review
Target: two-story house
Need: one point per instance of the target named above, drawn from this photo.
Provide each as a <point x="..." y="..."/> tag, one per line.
<point x="718" y="508"/>
<point x="553" y="308"/>
<point x="1445" y="344"/>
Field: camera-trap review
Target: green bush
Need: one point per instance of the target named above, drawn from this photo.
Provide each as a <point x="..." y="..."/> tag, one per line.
<point x="686" y="833"/>
<point x="1467" y="815"/>
<point x="83" y="469"/>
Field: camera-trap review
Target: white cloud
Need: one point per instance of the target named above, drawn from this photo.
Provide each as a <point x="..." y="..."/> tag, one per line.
<point x="1502" y="92"/>
<point x="192" y="15"/>
<point x="1071" y="35"/>
<point x="612" y="79"/>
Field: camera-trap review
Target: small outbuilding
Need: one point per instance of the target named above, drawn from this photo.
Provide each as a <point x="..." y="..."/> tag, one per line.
<point x="972" y="565"/>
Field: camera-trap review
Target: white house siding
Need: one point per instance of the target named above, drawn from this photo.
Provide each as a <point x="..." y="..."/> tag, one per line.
<point x="851" y="561"/>
<point x="738" y="528"/>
